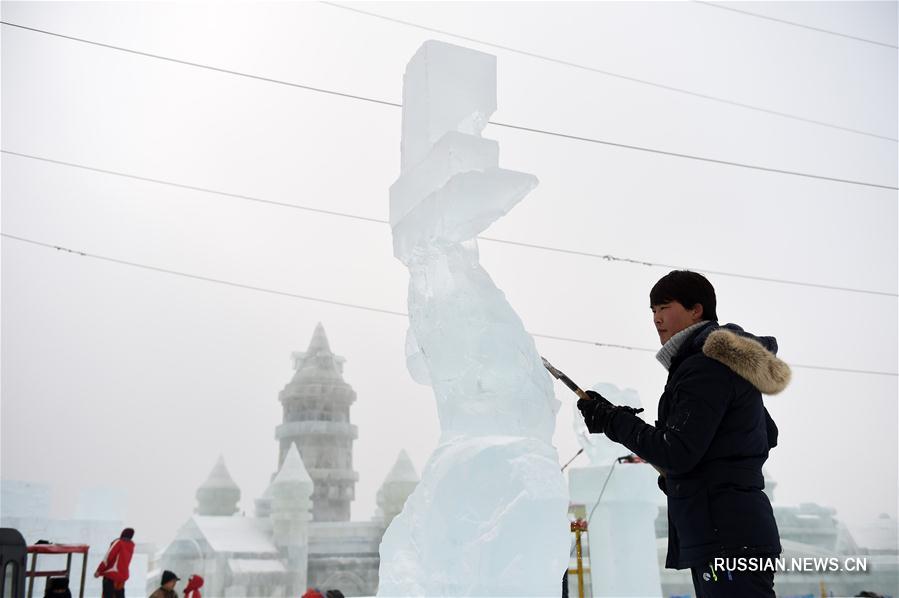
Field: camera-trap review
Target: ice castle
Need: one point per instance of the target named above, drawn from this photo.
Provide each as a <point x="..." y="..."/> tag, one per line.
<point x="300" y="534"/>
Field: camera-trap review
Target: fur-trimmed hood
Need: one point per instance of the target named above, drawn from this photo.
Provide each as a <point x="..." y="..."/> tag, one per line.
<point x="753" y="358"/>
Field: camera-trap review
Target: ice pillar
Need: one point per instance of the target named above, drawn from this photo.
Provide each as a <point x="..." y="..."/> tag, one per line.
<point x="623" y="548"/>
<point x="489" y="517"/>
<point x="291" y="503"/>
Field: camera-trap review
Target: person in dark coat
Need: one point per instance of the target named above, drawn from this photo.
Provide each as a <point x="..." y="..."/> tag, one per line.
<point x="57" y="587"/>
<point x="166" y="587"/>
<point x="710" y="440"/>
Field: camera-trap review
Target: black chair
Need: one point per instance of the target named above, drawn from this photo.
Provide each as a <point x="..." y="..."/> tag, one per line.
<point x="13" y="551"/>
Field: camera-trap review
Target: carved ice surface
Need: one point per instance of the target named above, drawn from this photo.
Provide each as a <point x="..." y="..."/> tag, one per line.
<point x="489" y="517"/>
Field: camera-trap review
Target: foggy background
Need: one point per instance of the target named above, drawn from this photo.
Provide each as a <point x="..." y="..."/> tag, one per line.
<point x="118" y="376"/>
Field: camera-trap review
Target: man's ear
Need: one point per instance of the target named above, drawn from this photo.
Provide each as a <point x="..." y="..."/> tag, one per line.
<point x="697" y="311"/>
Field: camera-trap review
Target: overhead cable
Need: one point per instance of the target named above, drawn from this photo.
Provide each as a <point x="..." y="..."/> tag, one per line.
<point x="126" y="175"/>
<point x="693" y="157"/>
<point x="606" y="257"/>
<point x="591" y="69"/>
<point x="204" y="278"/>
<point x="365" y="307"/>
<point x="795" y="24"/>
<point x="612" y="258"/>
<point x="203" y="66"/>
<point x="499" y="124"/>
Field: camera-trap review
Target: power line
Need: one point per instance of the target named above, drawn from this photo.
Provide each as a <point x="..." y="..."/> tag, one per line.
<point x="694" y="157"/>
<point x="506" y="125"/>
<point x="204" y="278"/>
<point x="196" y="188"/>
<point x="605" y="257"/>
<point x="205" y="66"/>
<point x="795" y="24"/>
<point x="612" y="258"/>
<point x="829" y="369"/>
<point x="609" y="73"/>
<point x="363" y="307"/>
<point x="274" y="291"/>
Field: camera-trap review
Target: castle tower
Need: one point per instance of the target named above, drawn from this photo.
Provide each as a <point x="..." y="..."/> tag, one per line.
<point x="397" y="487"/>
<point x="219" y="494"/>
<point x="317" y="419"/>
<point x="290" y="492"/>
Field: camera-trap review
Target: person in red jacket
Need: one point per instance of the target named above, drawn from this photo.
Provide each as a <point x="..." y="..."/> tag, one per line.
<point x="114" y="566"/>
<point x="192" y="589"/>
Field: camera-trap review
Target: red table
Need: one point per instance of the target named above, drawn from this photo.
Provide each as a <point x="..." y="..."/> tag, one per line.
<point x="66" y="549"/>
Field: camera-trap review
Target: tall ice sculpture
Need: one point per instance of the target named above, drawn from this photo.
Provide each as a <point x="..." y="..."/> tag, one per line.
<point x="489" y="517"/>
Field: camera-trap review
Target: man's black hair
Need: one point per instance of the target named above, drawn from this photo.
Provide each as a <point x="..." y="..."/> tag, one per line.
<point x="688" y="289"/>
<point x="127" y="533"/>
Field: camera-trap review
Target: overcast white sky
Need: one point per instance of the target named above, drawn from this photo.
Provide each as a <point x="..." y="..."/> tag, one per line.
<point x="114" y="375"/>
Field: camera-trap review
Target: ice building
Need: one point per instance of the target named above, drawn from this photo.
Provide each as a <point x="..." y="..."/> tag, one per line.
<point x="810" y="530"/>
<point x="299" y="534"/>
<point x="98" y="519"/>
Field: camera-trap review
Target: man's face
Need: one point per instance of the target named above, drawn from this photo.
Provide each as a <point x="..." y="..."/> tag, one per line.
<point x="672" y="317"/>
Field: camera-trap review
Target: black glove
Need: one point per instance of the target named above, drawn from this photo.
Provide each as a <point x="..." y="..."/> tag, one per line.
<point x="598" y="411"/>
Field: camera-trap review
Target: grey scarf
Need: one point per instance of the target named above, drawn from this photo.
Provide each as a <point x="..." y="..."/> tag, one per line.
<point x="670" y="348"/>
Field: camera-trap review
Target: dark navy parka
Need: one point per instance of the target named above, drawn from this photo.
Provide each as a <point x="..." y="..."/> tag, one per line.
<point x="711" y="439"/>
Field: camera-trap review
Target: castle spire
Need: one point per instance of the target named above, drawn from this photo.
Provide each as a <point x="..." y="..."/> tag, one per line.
<point x="398" y="485"/>
<point x="319" y="342"/>
<point x="290" y="505"/>
<point x="219" y="494"/>
<point x="318" y="361"/>
<point x="316" y="406"/>
<point x="293" y="470"/>
<point x="403" y="470"/>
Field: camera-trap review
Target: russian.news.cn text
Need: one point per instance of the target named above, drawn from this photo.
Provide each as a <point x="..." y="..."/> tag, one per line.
<point x="795" y="564"/>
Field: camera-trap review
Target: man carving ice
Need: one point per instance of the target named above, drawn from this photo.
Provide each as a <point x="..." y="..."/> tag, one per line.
<point x="711" y="438"/>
